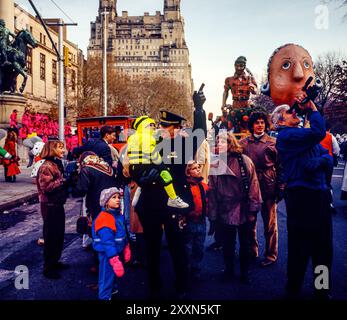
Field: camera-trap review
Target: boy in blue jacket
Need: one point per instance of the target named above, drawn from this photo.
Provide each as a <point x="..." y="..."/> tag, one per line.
<point x="110" y="241"/>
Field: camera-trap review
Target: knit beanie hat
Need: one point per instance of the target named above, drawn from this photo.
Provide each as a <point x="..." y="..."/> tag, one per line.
<point x="107" y="194"/>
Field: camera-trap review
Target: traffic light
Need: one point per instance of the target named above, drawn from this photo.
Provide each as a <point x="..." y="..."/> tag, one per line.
<point x="67" y="59"/>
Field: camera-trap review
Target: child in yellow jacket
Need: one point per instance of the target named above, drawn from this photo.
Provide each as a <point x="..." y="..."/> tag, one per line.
<point x="143" y="158"/>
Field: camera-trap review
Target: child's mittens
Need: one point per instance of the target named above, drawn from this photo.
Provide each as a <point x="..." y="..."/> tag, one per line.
<point x="117" y="266"/>
<point x="127" y="253"/>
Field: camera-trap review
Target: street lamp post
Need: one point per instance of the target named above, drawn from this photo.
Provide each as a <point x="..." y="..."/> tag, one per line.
<point x="61" y="81"/>
<point x="60" y="58"/>
<point x="104" y="59"/>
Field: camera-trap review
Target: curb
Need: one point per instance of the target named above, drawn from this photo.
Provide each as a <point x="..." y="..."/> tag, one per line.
<point x="17" y="202"/>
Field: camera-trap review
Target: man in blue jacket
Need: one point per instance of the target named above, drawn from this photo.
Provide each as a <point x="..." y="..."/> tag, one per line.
<point x="305" y="166"/>
<point x="100" y="146"/>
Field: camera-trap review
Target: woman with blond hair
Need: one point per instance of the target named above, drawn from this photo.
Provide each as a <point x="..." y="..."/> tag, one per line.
<point x="234" y="200"/>
<point x="52" y="196"/>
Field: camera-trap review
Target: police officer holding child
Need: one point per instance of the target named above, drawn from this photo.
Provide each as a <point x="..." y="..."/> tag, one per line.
<point x="176" y="149"/>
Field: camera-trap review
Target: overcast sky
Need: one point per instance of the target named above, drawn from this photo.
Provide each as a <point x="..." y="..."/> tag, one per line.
<point x="219" y="31"/>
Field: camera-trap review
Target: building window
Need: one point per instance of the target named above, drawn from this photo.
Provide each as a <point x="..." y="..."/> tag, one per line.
<point x="42" y="66"/>
<point x="30" y="61"/>
<point x="54" y="72"/>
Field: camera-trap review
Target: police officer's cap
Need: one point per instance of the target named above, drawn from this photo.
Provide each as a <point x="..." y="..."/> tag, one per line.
<point x="241" y="59"/>
<point x="168" y="118"/>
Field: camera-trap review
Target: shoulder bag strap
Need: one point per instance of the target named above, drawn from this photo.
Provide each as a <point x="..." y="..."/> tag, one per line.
<point x="244" y="176"/>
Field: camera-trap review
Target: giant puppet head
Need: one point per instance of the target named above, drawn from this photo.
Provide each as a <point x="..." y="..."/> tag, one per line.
<point x="288" y="69"/>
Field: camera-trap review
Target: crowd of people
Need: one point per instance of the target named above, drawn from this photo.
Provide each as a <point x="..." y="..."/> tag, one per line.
<point x="244" y="178"/>
<point x="41" y="125"/>
<point x="33" y="124"/>
<point x="36" y="123"/>
<point x="188" y="178"/>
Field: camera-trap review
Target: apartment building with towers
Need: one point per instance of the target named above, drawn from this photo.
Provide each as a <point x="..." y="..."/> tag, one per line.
<point x="144" y="46"/>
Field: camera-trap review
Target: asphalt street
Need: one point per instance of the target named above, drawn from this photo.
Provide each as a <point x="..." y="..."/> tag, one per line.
<point x="22" y="226"/>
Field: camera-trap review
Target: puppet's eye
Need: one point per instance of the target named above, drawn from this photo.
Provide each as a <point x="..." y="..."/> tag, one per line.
<point x="286" y="65"/>
<point x="306" y="64"/>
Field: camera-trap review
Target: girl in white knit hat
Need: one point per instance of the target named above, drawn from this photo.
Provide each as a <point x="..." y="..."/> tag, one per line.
<point x="110" y="241"/>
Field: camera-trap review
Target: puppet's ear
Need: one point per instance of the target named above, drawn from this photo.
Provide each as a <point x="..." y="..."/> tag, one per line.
<point x="319" y="83"/>
<point x="265" y="89"/>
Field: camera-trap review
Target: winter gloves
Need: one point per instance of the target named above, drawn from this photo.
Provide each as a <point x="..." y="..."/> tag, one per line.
<point x="199" y="98"/>
<point x="149" y="176"/>
<point x="117" y="266"/>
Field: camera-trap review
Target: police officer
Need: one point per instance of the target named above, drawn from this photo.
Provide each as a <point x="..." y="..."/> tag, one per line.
<point x="155" y="215"/>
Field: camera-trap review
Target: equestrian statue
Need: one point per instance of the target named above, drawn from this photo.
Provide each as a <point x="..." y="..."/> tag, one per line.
<point x="13" y="58"/>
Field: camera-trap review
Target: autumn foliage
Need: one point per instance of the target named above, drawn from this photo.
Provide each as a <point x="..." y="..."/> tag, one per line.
<point x="130" y="96"/>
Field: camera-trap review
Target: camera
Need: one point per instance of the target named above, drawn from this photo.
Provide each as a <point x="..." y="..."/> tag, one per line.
<point x="312" y="93"/>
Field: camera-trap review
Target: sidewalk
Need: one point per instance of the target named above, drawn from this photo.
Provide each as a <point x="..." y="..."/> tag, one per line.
<point x="15" y="194"/>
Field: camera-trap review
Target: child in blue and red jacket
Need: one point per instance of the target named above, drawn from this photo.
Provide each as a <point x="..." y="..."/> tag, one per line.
<point x="195" y="231"/>
<point x="110" y="241"/>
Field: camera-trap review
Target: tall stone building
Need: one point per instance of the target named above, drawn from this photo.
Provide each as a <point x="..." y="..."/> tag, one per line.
<point x="148" y="45"/>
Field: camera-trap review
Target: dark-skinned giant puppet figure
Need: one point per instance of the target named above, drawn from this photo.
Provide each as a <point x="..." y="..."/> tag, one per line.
<point x="242" y="84"/>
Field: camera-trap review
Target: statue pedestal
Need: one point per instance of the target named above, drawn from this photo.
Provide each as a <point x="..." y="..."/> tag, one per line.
<point x="9" y="102"/>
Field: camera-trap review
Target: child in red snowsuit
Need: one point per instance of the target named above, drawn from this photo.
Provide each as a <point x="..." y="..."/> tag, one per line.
<point x="11" y="166"/>
<point x="195" y="231"/>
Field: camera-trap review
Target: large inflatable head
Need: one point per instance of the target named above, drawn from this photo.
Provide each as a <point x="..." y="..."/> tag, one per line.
<point x="288" y="69"/>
